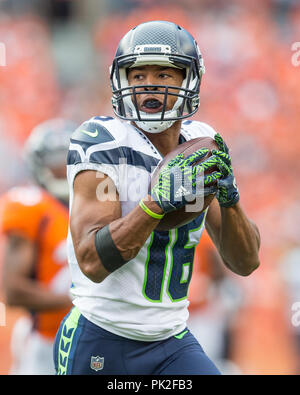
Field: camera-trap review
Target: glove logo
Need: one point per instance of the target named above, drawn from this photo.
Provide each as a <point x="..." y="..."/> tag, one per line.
<point x="181" y="191"/>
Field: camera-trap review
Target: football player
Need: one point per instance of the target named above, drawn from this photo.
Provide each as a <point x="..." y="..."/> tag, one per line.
<point x="34" y="219"/>
<point x="130" y="281"/>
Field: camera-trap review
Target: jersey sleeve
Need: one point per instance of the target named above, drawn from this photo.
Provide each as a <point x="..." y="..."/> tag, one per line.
<point x="95" y="146"/>
<point x="20" y="213"/>
<point x="198" y="129"/>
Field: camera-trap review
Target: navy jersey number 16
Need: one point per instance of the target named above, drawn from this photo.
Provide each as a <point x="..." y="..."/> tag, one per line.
<point x="173" y="249"/>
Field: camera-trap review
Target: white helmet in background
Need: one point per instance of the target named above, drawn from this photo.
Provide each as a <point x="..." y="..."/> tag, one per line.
<point x="45" y="154"/>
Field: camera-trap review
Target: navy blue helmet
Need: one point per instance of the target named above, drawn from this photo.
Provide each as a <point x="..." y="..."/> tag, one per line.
<point x="156" y="43"/>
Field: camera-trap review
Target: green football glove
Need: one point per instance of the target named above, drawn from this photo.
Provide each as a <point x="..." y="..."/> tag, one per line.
<point x="227" y="194"/>
<point x="179" y="182"/>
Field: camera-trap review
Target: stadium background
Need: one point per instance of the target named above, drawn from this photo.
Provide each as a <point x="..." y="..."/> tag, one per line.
<point x="57" y="58"/>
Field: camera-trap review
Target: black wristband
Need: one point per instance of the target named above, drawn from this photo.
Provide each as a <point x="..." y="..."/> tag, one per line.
<point x="108" y="253"/>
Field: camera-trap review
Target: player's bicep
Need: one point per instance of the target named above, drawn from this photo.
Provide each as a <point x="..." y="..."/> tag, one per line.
<point x="95" y="205"/>
<point x="95" y="202"/>
<point x="18" y="262"/>
<point x="19" y="254"/>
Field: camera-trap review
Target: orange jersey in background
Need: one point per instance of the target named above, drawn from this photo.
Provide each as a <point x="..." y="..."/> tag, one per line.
<point x="32" y="213"/>
<point x="202" y="277"/>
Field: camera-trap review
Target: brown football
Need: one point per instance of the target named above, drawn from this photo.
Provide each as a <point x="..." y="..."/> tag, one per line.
<point x="181" y="217"/>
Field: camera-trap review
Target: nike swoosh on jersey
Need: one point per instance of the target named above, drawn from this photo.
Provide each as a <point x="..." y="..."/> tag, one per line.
<point x="91" y="134"/>
<point x="181" y="335"/>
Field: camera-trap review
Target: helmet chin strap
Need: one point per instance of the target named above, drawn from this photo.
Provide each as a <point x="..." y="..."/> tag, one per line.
<point x="154" y="126"/>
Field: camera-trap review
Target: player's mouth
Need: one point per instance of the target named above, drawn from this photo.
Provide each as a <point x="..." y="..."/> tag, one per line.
<point x="151" y="105"/>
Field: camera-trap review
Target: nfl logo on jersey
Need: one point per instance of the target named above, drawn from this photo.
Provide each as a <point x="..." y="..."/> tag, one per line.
<point x="97" y="363"/>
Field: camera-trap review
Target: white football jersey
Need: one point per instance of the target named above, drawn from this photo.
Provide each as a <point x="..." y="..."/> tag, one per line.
<point x="145" y="299"/>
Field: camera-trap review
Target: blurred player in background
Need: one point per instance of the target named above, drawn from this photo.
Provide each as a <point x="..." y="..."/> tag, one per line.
<point x="34" y="219"/>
